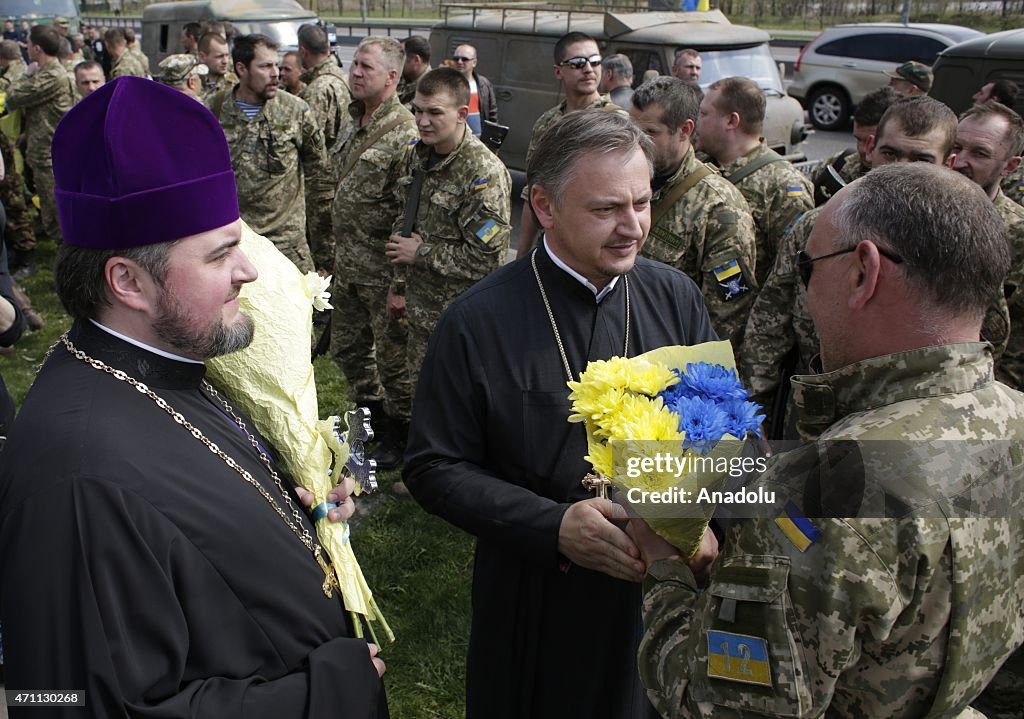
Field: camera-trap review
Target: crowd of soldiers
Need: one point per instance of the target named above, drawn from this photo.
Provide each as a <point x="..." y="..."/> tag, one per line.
<point x="377" y="177"/>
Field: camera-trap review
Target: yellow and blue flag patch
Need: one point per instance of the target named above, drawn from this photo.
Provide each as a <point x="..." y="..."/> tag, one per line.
<point x="488" y="231"/>
<point x="738" y="658"/>
<point x="797" y="528"/>
<point x="482" y="184"/>
<point x="794" y="191"/>
<point x="731" y="282"/>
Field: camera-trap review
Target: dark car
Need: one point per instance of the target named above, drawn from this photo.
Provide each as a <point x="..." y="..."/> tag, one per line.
<point x="962" y="69"/>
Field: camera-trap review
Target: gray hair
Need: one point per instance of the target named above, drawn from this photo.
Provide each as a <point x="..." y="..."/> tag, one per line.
<point x="554" y="161"/>
<point x="392" y="54"/>
<point x="679" y="100"/>
<point x="948" y="232"/>
<point x="619" y="65"/>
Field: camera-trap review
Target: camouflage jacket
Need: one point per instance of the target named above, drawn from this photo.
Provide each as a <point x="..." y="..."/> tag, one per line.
<point x="1013" y="185"/>
<point x="140" y="56"/>
<point x="463" y="218"/>
<point x="9" y="74"/>
<point x="128" y="64"/>
<point x="553" y="115"/>
<point x="366" y="205"/>
<point x="852" y="167"/>
<point x="709" y="234"/>
<point x="1010" y="366"/>
<point x="865" y="616"/>
<point x="328" y="97"/>
<point x="45" y="97"/>
<point x="214" y="84"/>
<point x="274" y="156"/>
<point x="407" y="91"/>
<point x="777" y="194"/>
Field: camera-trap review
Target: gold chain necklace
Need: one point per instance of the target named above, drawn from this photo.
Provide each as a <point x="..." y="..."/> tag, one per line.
<point x="294" y="523"/>
<point x="554" y="325"/>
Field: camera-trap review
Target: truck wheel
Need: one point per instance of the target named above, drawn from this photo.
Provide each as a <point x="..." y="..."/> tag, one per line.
<point x="829" y="108"/>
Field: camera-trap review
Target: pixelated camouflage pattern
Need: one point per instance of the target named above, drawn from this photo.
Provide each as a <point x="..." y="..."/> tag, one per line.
<point x="552" y="116"/>
<point x="328" y="96"/>
<point x="218" y="83"/>
<point x="9" y="74"/>
<point x="366" y="205"/>
<point x="1013" y="185"/>
<point x="1010" y="365"/>
<point x="128" y="64"/>
<point x="407" y="91"/>
<point x="774" y="208"/>
<point x="906" y="617"/>
<point x="369" y="347"/>
<point x="275" y="156"/>
<point x="140" y="57"/>
<point x="708" y="227"/>
<point x="460" y="196"/>
<point x="19" y="234"/>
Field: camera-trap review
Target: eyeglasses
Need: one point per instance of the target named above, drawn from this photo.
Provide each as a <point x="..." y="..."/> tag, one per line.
<point x="463" y="58"/>
<point x="805" y="263"/>
<point x="578" y="63"/>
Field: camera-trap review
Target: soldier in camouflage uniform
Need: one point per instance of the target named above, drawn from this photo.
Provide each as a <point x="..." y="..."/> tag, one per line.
<point x="912" y="130"/>
<point x="19" y="235"/>
<point x="1013" y="185"/>
<point x="136" y="50"/>
<point x="44" y="95"/>
<point x="369" y="345"/>
<point x="326" y="91"/>
<point x="417" y="64"/>
<point x="461" y="228"/>
<point x="12" y="66"/>
<point x="123" y="62"/>
<point x="848" y="164"/>
<point x="276" y="150"/>
<point x="861" y="615"/>
<point x="729" y="131"/>
<point x="578" y="71"/>
<point x="700" y="222"/>
<point x="213" y="52"/>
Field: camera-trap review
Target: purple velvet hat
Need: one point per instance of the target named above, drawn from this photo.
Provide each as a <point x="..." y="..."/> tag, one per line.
<point x="137" y="163"/>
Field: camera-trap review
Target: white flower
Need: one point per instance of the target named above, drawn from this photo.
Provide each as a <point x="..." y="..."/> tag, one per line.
<point x="318" y="289"/>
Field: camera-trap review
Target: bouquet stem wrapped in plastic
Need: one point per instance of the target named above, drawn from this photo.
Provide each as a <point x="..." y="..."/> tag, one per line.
<point x="655" y="424"/>
<point x="272" y="380"/>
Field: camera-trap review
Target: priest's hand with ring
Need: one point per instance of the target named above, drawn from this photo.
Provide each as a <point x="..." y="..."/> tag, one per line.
<point x="589" y="539"/>
<point x="340" y="495"/>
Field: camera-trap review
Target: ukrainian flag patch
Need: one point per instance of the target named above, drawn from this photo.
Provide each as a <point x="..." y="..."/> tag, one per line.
<point x="731" y="283"/>
<point x="794" y="191"/>
<point x="413" y="141"/>
<point x="797" y="528"/>
<point x="488" y="231"/>
<point x="482" y="184"/>
<point x="738" y="658"/>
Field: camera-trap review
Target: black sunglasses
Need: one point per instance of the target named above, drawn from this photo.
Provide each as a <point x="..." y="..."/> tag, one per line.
<point x="805" y="263"/>
<point x="463" y="58"/>
<point x="578" y="63"/>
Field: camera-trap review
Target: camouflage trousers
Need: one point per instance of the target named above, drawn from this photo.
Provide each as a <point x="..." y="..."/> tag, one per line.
<point x="295" y="249"/>
<point x="1004" y="697"/>
<point x="13" y="193"/>
<point x="370" y="348"/>
<point x="423" y="310"/>
<point x="42" y="175"/>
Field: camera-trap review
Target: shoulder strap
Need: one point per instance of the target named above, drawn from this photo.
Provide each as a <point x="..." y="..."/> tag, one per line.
<point x="369" y="142"/>
<point x="412" y="201"/>
<point x="753" y="166"/>
<point x="681" y="189"/>
<point x="218" y="104"/>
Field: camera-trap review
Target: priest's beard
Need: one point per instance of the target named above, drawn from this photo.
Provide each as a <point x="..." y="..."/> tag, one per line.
<point x="177" y="327"/>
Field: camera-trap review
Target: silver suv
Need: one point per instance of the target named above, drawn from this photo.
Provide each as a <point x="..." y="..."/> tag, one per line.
<point x="844" y="63"/>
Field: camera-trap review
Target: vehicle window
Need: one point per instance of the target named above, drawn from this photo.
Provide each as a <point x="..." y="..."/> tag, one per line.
<point x="643" y="60"/>
<point x="486" y="49"/>
<point x="163" y="38"/>
<point x="528" y="62"/>
<point x="283" y="32"/>
<point x="41" y="8"/>
<point x="921" y="49"/>
<point x="753" y="62"/>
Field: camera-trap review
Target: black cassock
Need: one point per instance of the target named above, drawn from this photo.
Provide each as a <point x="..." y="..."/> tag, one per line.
<point x="492" y="452"/>
<point x="137" y="566"/>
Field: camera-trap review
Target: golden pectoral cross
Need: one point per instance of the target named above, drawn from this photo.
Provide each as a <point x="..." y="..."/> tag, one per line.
<point x="330" y="581"/>
<point x="597" y="484"/>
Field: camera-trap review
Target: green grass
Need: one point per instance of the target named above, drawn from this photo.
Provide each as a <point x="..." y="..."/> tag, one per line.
<point x="418" y="566"/>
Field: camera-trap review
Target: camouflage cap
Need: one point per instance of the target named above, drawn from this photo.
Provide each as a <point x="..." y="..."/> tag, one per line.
<point x="915" y="73"/>
<point x="176" y="69"/>
<point x="61" y="20"/>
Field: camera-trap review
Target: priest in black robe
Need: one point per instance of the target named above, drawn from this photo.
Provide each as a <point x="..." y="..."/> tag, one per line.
<point x="556" y="603"/>
<point x="153" y="561"/>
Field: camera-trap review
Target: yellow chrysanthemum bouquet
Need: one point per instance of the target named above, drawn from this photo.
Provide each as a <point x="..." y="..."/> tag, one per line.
<point x="273" y="381"/>
<point x="655" y="425"/>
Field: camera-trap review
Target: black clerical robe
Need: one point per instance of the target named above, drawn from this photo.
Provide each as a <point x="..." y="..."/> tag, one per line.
<point x="491" y="450"/>
<point x="137" y="566"/>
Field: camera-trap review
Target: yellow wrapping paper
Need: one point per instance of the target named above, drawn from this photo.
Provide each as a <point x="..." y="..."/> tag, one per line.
<point x="683" y="532"/>
<point x="273" y="381"/>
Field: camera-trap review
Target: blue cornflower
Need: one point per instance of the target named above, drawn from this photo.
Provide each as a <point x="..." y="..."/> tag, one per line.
<point x="702" y="422"/>
<point x="711" y="381"/>
<point x="742" y="417"/>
